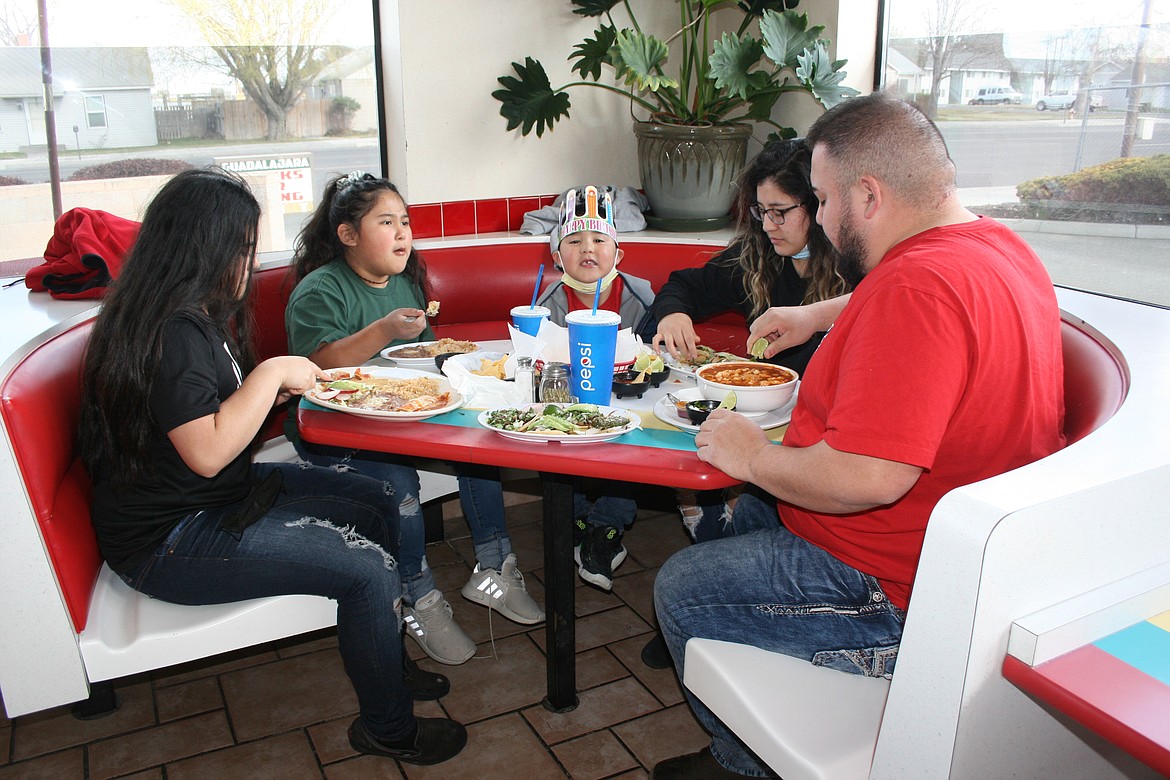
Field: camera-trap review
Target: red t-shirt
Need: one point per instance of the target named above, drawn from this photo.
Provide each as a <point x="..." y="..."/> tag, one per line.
<point x="612" y="303"/>
<point x="948" y="357"/>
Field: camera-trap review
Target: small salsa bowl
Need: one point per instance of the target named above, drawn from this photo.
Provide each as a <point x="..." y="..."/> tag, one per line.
<point x="759" y="387"/>
<point x="624" y="384"/>
<point x="699" y="411"/>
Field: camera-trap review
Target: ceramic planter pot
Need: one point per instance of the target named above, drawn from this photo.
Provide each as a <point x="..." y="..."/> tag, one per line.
<point x="688" y="173"/>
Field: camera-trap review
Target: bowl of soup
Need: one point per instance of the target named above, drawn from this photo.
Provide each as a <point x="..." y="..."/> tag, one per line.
<point x="758" y="387"/>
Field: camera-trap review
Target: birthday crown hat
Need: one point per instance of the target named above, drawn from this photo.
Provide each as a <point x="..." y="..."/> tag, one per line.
<point x="587" y="209"/>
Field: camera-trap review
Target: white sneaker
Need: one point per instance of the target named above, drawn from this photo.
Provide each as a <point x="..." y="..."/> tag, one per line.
<point x="504" y="591"/>
<point x="432" y="624"/>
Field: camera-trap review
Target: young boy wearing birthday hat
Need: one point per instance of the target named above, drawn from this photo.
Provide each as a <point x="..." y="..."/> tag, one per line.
<point x="585" y="248"/>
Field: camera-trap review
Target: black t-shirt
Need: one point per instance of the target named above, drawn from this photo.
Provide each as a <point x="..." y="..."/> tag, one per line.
<point x="195" y="374"/>
<point x="720" y="285"/>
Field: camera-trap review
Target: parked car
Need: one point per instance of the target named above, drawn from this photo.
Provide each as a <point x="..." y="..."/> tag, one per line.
<point x="1062" y="101"/>
<point x="996" y="96"/>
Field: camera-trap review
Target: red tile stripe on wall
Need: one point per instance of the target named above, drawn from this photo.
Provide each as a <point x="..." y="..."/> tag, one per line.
<point x="468" y="217"/>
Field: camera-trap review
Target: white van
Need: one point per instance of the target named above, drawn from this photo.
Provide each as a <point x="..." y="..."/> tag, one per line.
<point x="995" y="96"/>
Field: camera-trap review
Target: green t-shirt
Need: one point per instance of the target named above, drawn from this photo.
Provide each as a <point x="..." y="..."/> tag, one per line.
<point x="332" y="303"/>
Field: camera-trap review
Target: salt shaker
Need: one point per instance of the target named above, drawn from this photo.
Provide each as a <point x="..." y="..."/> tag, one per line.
<point x="554" y="384"/>
<point x="524" y="380"/>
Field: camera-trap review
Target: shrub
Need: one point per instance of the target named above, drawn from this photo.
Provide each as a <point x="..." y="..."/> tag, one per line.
<point x="1143" y="181"/>
<point x="119" y="169"/>
<point x="9" y="181"/>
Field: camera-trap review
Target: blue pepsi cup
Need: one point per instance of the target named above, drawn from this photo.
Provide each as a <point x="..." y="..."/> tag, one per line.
<point x="592" y="343"/>
<point x="527" y="319"/>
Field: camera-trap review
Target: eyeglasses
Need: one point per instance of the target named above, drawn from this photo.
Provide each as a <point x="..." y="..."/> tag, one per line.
<point x="776" y="215"/>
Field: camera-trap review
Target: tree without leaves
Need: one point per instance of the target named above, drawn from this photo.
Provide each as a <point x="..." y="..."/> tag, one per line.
<point x="16" y="27"/>
<point x="946" y="20"/>
<point x="269" y="46"/>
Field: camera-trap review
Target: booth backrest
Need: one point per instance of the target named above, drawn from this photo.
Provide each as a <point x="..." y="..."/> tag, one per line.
<point x="1095" y="380"/>
<point x="40" y="401"/>
<point x="477" y="286"/>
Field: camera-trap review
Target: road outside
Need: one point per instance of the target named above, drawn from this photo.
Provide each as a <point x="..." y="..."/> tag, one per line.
<point x="992" y="156"/>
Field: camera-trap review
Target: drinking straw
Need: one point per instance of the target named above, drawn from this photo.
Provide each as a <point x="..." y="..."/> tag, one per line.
<point x="536" y="287"/>
<point x="596" y="298"/>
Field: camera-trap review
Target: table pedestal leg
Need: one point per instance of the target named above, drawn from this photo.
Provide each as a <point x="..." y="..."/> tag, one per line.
<point x="559" y="597"/>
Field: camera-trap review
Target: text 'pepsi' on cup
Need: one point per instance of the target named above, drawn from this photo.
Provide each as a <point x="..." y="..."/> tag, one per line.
<point x="592" y="346"/>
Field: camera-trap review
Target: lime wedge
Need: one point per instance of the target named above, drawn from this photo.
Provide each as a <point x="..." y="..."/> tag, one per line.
<point x="642" y="361"/>
<point x="656" y="365"/>
<point x="728" y="401"/>
<point x="758" y="348"/>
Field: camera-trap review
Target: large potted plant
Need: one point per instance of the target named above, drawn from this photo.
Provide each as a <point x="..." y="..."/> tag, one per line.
<point x="693" y="139"/>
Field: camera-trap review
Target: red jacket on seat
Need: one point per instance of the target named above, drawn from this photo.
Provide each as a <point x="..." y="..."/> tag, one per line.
<point x="84" y="254"/>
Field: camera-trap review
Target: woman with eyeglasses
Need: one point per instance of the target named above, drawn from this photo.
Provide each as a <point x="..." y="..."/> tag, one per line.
<point x="778" y="257"/>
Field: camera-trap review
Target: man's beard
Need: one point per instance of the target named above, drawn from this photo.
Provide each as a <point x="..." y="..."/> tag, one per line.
<point x="850" y="251"/>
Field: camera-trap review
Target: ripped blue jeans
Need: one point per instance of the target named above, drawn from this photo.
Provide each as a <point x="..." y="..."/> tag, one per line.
<point x="769" y="588"/>
<point x="481" y="496"/>
<point x="328" y="534"/>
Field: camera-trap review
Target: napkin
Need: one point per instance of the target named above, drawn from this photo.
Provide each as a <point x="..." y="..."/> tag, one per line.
<point x="551" y="344"/>
<point x="481" y="392"/>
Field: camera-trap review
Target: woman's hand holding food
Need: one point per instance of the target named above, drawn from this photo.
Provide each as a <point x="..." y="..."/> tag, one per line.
<point x="297" y="375"/>
<point x="677" y="333"/>
<point x="404" y="324"/>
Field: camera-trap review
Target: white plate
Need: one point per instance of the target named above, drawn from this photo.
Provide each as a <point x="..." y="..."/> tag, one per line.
<point x="685" y="368"/>
<point x="473" y="360"/>
<point x="409" y="362"/>
<point x="393" y="373"/>
<point x="664" y="410"/>
<point x="585" y="438"/>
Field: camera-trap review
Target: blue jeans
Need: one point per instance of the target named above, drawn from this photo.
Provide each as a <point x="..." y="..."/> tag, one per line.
<point x="480" y="494"/>
<point x="616" y="509"/>
<point x="328" y="534"/>
<point x="769" y="588"/>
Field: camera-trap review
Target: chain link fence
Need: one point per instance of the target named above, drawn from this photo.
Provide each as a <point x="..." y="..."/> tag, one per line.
<point x="1123" y="121"/>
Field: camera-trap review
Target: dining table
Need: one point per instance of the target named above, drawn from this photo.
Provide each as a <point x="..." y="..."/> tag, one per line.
<point x="659" y="451"/>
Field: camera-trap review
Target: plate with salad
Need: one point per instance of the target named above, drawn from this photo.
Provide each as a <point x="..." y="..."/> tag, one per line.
<point x="704" y="357"/>
<point x="566" y="423"/>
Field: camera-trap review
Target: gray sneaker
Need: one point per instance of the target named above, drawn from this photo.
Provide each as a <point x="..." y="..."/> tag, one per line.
<point x="432" y="624"/>
<point x="504" y="591"/>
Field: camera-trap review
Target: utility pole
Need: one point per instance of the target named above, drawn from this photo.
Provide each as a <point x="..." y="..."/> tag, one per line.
<point x="1129" y="132"/>
<point x="50" y="114"/>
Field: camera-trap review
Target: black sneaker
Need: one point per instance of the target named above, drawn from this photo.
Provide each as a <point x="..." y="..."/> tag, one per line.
<point x="434" y="740"/>
<point x="421" y="684"/>
<point x="601" y="552"/>
<point x="580" y="528"/>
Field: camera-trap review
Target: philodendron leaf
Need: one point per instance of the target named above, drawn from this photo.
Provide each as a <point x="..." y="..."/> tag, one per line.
<point x="821" y="75"/>
<point x="593" y="7"/>
<point x="731" y="60"/>
<point x="638" y="58"/>
<point x="785" y="36"/>
<point x="530" y="101"/>
<point x="594" y="52"/>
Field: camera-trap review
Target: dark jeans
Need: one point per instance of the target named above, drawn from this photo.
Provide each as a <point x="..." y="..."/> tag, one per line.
<point x="769" y="588"/>
<point x="328" y="534"/>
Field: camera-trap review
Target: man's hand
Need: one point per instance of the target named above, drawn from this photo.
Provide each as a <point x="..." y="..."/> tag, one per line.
<point x="790" y="326"/>
<point x="730" y="442"/>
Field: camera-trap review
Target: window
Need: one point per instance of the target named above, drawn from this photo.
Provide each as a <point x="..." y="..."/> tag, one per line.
<point x="95" y="111"/>
<point x="149" y="87"/>
<point x="987" y="73"/>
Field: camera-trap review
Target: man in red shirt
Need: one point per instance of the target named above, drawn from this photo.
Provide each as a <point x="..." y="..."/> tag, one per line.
<point x="942" y="369"/>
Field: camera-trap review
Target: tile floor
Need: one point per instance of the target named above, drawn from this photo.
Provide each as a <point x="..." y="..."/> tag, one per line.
<point x="282" y="710"/>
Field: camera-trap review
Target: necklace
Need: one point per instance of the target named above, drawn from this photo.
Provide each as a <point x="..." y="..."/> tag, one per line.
<point x="370" y="282"/>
